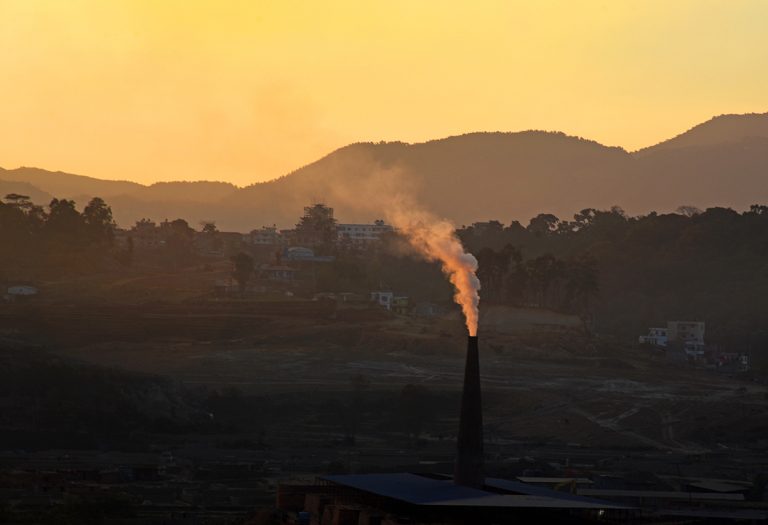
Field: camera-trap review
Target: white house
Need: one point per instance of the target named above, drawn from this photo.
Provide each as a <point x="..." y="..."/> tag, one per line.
<point x="383" y="299"/>
<point x="689" y="334"/>
<point x="360" y="234"/>
<point x="655" y="337"/>
<point x="686" y="331"/>
<point x="267" y="235"/>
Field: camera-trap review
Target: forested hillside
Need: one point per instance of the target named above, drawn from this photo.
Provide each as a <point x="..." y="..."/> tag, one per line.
<point x="625" y="274"/>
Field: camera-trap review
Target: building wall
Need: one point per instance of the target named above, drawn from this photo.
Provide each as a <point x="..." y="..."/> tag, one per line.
<point x="656" y="337"/>
<point x="267" y="235"/>
<point x="362" y="233"/>
<point x="685" y="331"/>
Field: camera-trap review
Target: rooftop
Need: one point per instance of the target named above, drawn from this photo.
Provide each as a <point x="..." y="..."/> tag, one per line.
<point x="430" y="491"/>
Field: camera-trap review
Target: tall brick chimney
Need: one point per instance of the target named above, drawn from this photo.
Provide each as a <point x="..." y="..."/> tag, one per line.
<point x="469" y="457"/>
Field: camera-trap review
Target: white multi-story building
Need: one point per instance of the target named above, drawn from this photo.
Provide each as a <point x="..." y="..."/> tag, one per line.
<point x="655" y="337"/>
<point x="267" y="235"/>
<point x="689" y="334"/>
<point x="362" y="233"/>
<point x="686" y="331"/>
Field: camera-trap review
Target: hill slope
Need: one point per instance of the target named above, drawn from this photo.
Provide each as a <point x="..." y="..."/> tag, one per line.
<point x="67" y="185"/>
<point x="723" y="129"/>
<point x="466" y="178"/>
<point x="477" y="176"/>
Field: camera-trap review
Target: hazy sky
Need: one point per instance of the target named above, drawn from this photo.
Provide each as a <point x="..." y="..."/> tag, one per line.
<point x="249" y="90"/>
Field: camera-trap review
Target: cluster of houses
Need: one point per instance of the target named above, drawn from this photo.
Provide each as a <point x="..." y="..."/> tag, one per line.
<point x="685" y="340"/>
<point x="148" y="235"/>
<point x="356" y="234"/>
<point x="286" y="258"/>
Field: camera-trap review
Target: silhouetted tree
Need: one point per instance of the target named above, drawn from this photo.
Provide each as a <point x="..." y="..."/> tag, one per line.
<point x="543" y="224"/>
<point x="583" y="219"/>
<point x="99" y="223"/>
<point x="178" y="241"/>
<point x="22" y="203"/>
<point x="688" y="211"/>
<point x="208" y="227"/>
<point x="622" y="274"/>
<point x="543" y="273"/>
<point x="243" y="269"/>
<point x="317" y="227"/>
<point x="65" y="223"/>
<point x="581" y="286"/>
<point x="494" y="267"/>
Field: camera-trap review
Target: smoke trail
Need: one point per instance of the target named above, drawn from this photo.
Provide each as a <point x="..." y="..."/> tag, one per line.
<point x="436" y="240"/>
<point x="392" y="192"/>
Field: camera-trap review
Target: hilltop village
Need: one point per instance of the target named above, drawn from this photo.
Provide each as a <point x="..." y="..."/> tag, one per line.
<point x="267" y="259"/>
<point x="581" y="268"/>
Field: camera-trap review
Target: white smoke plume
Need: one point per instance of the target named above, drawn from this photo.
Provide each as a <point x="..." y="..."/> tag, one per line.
<point x="392" y="194"/>
<point x="436" y="240"/>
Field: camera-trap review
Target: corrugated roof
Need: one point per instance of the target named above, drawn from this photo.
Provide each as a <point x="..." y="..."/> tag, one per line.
<point x="411" y="488"/>
<point x="660" y="494"/>
<point x="529" y="479"/>
<point x="422" y="490"/>
<point x="522" y="501"/>
<point x="518" y="487"/>
<point x="733" y="514"/>
<point x="718" y="486"/>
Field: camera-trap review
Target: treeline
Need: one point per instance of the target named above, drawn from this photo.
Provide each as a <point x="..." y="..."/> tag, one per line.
<point x="629" y="273"/>
<point x="566" y="285"/>
<point x="58" y="238"/>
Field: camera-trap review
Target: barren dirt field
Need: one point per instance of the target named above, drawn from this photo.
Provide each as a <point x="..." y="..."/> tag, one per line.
<point x="545" y="382"/>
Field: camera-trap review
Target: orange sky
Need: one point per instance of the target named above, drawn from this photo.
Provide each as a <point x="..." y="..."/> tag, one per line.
<point x="246" y="91"/>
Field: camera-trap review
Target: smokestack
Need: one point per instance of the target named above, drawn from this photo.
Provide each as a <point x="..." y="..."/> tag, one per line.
<point x="469" y="457"/>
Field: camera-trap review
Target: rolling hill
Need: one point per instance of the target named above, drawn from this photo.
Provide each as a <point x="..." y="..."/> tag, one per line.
<point x="67" y="185"/>
<point x="477" y="176"/>
<point x="724" y="129"/>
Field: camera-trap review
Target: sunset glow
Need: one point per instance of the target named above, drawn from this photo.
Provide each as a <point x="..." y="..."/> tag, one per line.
<point x="247" y="91"/>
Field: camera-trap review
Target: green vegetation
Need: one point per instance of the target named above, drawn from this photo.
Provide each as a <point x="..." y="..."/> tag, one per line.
<point x="317" y="227"/>
<point x="629" y="273"/>
<point x="619" y="274"/>
<point x="244" y="268"/>
<point x="57" y="240"/>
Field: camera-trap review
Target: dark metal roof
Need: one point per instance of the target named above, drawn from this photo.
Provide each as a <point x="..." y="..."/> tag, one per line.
<point x="719" y="486"/>
<point x="412" y="488"/>
<point x="522" y="501"/>
<point x="538" y="479"/>
<point x="729" y="514"/>
<point x="518" y="487"/>
<point x="422" y="490"/>
<point x="661" y="494"/>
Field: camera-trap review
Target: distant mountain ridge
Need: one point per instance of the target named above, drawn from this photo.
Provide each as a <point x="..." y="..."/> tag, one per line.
<point x="59" y="182"/>
<point x="717" y="130"/>
<point x="466" y="178"/>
